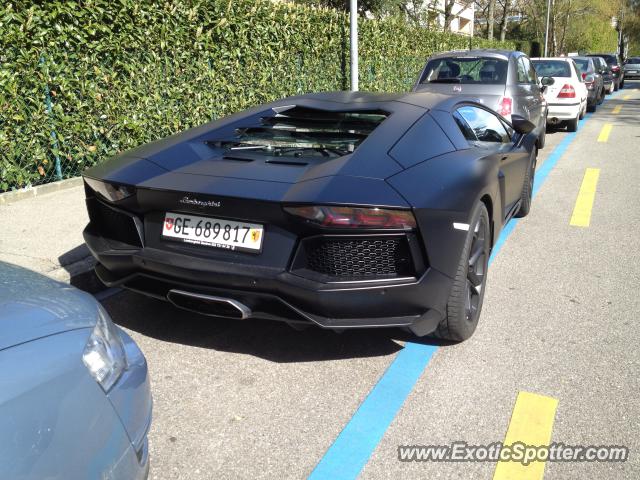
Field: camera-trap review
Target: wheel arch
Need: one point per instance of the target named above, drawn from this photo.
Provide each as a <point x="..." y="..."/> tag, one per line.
<point x="488" y="203"/>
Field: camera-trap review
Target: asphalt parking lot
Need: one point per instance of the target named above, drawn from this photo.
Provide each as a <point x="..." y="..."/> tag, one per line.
<point x="257" y="399"/>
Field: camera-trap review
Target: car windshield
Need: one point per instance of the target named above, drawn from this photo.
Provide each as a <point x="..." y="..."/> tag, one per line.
<point x="552" y="68"/>
<point x="302" y="133"/>
<point x="583" y="64"/>
<point x="467" y="70"/>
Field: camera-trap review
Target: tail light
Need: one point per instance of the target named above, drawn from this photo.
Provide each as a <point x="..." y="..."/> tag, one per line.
<point x="584" y="75"/>
<point x="615" y="68"/>
<point x="355" y="217"/>
<point x="109" y="191"/>
<point x="505" y="106"/>
<point x="567" y="91"/>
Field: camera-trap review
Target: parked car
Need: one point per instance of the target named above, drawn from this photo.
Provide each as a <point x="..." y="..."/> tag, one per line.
<point x="567" y="97"/>
<point x="74" y="392"/>
<point x="503" y="80"/>
<point x="341" y="210"/>
<point x="593" y="80"/>
<point x="632" y="67"/>
<point x="615" y="65"/>
<point x="605" y="71"/>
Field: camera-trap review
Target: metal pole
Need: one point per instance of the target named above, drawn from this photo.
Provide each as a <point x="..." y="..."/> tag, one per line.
<point x="353" y="31"/>
<point x="546" y="30"/>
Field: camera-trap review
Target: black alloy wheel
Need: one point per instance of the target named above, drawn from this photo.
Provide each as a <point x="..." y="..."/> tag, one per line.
<point x="469" y="285"/>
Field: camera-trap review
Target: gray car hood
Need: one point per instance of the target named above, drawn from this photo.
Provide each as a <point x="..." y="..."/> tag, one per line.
<point x="33" y="306"/>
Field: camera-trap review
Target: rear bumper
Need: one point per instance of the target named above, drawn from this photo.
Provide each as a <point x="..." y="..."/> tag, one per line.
<point x="630" y="75"/>
<point x="275" y="294"/>
<point x="561" y="112"/>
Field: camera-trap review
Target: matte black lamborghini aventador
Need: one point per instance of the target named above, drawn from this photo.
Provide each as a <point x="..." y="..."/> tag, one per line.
<point x="336" y="209"/>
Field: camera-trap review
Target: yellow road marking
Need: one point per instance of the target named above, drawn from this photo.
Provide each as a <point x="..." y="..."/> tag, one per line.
<point x="584" y="203"/>
<point x="604" y="133"/>
<point x="531" y="423"/>
<point x="616" y="109"/>
<point x="626" y="97"/>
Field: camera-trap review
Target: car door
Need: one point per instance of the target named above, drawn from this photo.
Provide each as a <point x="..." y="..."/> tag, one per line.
<point x="529" y="100"/>
<point x="595" y="70"/>
<point x="581" y="88"/>
<point x="486" y="131"/>
<point x="538" y="104"/>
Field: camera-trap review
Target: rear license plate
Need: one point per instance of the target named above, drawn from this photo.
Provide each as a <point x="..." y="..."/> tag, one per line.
<point x="213" y="232"/>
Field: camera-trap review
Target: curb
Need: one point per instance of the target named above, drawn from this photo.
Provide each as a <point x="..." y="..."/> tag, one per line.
<point x="30" y="192"/>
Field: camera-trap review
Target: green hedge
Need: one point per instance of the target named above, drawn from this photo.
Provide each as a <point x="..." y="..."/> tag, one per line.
<point x="83" y="80"/>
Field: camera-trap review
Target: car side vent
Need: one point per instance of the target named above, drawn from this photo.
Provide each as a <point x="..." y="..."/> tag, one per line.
<point x="113" y="223"/>
<point x="356" y="257"/>
<point x="238" y="159"/>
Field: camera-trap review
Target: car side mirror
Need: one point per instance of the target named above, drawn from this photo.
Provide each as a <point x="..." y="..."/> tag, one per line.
<point x="546" y="81"/>
<point x="589" y="78"/>
<point x="521" y="124"/>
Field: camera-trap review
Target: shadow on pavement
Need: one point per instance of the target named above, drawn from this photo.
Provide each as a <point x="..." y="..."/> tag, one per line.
<point x="274" y="341"/>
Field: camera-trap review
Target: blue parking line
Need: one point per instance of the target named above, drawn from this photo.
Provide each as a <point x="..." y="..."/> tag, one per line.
<point x="353" y="447"/>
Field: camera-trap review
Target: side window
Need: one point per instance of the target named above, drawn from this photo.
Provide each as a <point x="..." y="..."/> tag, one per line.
<point x="576" y="70"/>
<point x="523" y="75"/>
<point x="464" y="127"/>
<point x="531" y="72"/>
<point x="486" y="126"/>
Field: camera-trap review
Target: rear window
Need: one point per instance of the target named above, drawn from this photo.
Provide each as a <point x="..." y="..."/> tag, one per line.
<point x="552" y="68"/>
<point x="634" y="60"/>
<point x="467" y="70"/>
<point x="583" y="64"/>
<point x="610" y="59"/>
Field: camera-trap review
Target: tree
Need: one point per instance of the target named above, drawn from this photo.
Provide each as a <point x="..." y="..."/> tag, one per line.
<point x="490" y="18"/>
<point x="447" y="13"/>
<point x="504" y="23"/>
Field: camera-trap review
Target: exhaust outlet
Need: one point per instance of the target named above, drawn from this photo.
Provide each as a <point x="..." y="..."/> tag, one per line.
<point x="209" y="305"/>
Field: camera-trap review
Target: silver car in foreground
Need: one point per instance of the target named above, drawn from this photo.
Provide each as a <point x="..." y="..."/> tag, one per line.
<point x="503" y="80"/>
<point x="74" y="392"/>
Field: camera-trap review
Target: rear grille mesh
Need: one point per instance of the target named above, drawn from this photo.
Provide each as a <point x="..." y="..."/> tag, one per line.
<point x="113" y="224"/>
<point x="367" y="257"/>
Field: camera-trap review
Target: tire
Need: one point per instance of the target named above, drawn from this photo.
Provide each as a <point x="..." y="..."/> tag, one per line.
<point x="593" y="108"/>
<point x="616" y="87"/>
<point x="542" y="138"/>
<point x="601" y="96"/>
<point x="583" y="111"/>
<point x="572" y="125"/>
<point x="527" y="188"/>
<point x="467" y="293"/>
<point x="622" y="84"/>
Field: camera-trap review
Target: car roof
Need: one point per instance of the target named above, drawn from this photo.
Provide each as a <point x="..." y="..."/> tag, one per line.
<point x="566" y="59"/>
<point x="484" y="52"/>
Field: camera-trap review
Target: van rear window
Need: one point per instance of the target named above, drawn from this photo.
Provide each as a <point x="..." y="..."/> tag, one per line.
<point x="466" y="70"/>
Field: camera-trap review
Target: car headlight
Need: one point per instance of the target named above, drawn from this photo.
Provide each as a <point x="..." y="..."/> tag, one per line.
<point x="110" y="191"/>
<point x="104" y="354"/>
